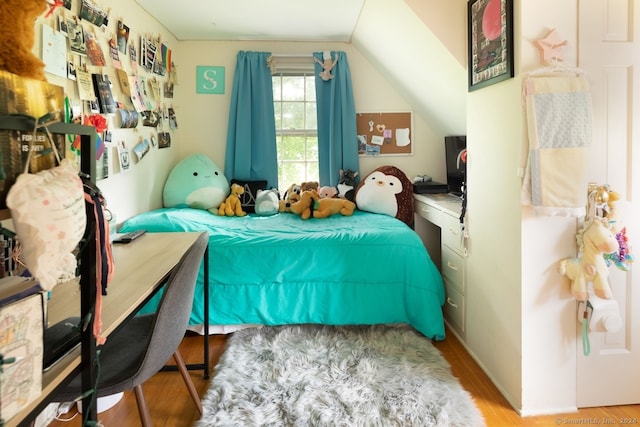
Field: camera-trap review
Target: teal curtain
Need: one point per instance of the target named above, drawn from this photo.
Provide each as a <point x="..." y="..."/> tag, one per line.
<point x="337" y="135"/>
<point x="251" y="138"/>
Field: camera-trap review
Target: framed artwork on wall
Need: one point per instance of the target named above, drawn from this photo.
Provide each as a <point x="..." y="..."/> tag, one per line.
<point x="490" y="42"/>
<point x="210" y="79"/>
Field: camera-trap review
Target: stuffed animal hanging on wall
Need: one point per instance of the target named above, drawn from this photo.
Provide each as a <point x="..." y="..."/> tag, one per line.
<point x="591" y="267"/>
<point x="327" y="65"/>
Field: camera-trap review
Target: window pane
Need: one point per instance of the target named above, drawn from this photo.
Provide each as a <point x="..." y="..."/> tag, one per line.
<point x="290" y="173"/>
<point x="312" y="172"/>
<point x="312" y="148"/>
<point x="296" y="129"/>
<point x="292" y="88"/>
<point x="277" y="107"/>
<point x="293" y="115"/>
<point x="277" y="87"/>
<point x="311" y="117"/>
<point x="310" y="82"/>
<point x="279" y="147"/>
<point x="293" y="148"/>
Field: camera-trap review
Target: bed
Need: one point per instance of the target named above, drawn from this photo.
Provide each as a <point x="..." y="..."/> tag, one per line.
<point x="365" y="268"/>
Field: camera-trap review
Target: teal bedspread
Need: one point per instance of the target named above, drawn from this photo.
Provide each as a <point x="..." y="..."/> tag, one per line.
<point x="361" y="269"/>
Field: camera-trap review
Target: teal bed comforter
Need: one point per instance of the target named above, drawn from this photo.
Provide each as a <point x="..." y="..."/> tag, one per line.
<point x="361" y="269"/>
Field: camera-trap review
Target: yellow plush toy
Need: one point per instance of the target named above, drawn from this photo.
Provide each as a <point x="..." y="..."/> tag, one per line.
<point x="232" y="205"/>
<point x="17" y="36"/>
<point x="311" y="205"/>
<point x="291" y="196"/>
<point x="591" y="267"/>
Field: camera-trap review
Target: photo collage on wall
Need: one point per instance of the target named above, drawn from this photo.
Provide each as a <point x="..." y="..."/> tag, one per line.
<point x="120" y="73"/>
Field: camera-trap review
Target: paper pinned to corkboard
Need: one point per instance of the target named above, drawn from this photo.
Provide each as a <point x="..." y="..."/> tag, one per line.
<point x="385" y="134"/>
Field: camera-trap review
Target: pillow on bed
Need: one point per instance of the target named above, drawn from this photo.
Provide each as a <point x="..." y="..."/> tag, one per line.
<point x="196" y="182"/>
<point x="387" y="190"/>
<point x="248" y="198"/>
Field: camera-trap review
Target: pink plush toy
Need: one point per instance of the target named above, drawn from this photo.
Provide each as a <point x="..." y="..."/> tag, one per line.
<point x="327" y="192"/>
<point x="591" y="267"/>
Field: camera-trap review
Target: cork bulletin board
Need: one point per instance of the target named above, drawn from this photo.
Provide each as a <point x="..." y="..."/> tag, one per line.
<point x="385" y="134"/>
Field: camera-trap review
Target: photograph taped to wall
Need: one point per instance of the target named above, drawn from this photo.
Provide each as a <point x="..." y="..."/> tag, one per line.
<point x="91" y="13"/>
<point x="124" y="156"/>
<point x="123" y="37"/>
<point x="76" y="38"/>
<point x="385" y="134"/>
<point x="164" y="139"/>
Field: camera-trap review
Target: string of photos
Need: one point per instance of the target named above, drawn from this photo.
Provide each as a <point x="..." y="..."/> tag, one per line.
<point x="123" y="79"/>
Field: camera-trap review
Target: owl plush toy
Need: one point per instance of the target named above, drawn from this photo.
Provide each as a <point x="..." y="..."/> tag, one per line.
<point x="387" y="190"/>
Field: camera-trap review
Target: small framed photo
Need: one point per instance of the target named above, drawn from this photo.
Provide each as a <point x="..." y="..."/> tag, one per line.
<point x="490" y="43"/>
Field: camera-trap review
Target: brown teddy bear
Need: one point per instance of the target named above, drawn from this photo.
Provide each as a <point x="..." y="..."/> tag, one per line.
<point x="232" y="205"/>
<point x="309" y="185"/>
<point x="311" y="205"/>
<point x="17" y="36"/>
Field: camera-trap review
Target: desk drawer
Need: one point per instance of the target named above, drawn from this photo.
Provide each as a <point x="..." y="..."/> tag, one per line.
<point x="430" y="213"/>
<point x="454" y="309"/>
<point x="452" y="233"/>
<point x="453" y="266"/>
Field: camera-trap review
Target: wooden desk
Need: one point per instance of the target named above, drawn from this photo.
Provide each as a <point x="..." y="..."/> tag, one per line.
<point x="141" y="267"/>
<point x="447" y="249"/>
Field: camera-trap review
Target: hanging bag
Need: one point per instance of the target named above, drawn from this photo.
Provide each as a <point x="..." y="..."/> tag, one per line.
<point x="49" y="217"/>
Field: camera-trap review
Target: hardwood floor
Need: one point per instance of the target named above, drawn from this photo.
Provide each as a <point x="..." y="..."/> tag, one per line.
<point x="171" y="406"/>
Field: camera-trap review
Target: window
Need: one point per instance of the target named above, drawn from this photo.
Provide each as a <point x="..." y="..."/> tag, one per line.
<point x="294" y="101"/>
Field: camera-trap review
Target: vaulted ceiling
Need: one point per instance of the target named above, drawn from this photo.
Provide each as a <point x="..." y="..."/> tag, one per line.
<point x="405" y="39"/>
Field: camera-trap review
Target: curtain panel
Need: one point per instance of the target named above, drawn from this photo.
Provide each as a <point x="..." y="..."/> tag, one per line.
<point x="337" y="135"/>
<point x="251" y="138"/>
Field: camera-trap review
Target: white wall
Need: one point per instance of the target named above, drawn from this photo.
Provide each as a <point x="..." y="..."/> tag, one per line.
<point x="519" y="326"/>
<point x="139" y="188"/>
<point x="204" y="118"/>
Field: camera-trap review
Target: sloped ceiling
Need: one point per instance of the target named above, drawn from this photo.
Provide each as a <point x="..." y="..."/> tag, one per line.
<point x="279" y="20"/>
<point x="389" y="33"/>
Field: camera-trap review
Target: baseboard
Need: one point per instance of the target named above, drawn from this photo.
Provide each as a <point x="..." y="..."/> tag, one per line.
<point x="506" y="395"/>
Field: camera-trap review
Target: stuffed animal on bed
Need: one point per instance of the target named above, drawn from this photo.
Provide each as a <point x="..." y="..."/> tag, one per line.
<point x="267" y="202"/>
<point x="311" y="205"/>
<point x="17" y="36"/>
<point x="195" y="182"/>
<point x="292" y="195"/>
<point x="347" y="184"/>
<point x="232" y="206"/>
<point x="309" y="185"/>
<point x="327" y="191"/>
<point x="387" y="190"/>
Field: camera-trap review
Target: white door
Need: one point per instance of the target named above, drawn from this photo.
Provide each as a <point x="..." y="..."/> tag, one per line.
<point x="610" y="55"/>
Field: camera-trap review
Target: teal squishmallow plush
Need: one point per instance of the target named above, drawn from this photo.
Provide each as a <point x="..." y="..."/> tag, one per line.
<point x="196" y="182"/>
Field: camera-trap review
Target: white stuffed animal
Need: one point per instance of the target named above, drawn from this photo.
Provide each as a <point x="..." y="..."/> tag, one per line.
<point x="267" y="202"/>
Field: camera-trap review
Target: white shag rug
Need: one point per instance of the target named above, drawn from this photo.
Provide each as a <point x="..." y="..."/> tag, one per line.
<point x="315" y="375"/>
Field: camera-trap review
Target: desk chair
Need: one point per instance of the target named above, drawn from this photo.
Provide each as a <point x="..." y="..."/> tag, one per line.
<point x="140" y="348"/>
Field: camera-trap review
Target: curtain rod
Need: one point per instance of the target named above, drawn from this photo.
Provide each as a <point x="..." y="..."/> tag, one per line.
<point x="292" y="55"/>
